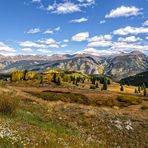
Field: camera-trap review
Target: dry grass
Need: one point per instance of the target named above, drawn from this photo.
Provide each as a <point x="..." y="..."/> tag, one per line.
<point x="43" y="123"/>
<point x="8" y="104"/>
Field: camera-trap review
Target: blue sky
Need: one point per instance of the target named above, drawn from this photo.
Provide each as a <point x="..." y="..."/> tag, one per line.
<point x="99" y="27"/>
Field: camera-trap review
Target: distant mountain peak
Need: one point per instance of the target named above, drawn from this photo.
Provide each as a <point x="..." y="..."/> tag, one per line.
<point x="136" y="52"/>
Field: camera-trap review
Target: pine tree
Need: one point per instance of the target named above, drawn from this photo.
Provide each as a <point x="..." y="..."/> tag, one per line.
<point x="93" y="80"/>
<point x="136" y="91"/>
<point x="139" y="89"/>
<point x="144" y="91"/>
<point x="105" y="87"/>
<point x="54" y="77"/>
<point x="108" y="81"/>
<point x="25" y="73"/>
<point x="121" y="88"/>
<point x="97" y="85"/>
<point x="143" y="86"/>
<point x="59" y="81"/>
<point x="74" y="80"/>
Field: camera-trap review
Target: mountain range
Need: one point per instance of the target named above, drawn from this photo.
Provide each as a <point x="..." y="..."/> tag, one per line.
<point x="116" y="66"/>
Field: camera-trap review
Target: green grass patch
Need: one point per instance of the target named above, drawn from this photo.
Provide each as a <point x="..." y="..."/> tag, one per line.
<point x="6" y="143"/>
<point x="120" y="101"/>
<point x="129" y="100"/>
<point x="38" y="120"/>
<point x="65" y="97"/>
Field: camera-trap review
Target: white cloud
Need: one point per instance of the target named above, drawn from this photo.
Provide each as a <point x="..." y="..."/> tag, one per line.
<point x="31" y="44"/>
<point x="50" y="43"/>
<point x="6" y="50"/>
<point x="126" y="47"/>
<point x="57" y="28"/>
<point x="53" y="46"/>
<point x="36" y="1"/>
<point x="48" y="31"/>
<point x="44" y="43"/>
<point x="145" y="23"/>
<point x="124" y="11"/>
<point x="80" y="20"/>
<point x="102" y="21"/>
<point x="115" y="48"/>
<point x="80" y="37"/>
<point x="34" y="30"/>
<point x="69" y="7"/>
<point x="146" y="38"/>
<point x="129" y="39"/>
<point x="86" y="1"/>
<point x="100" y="41"/>
<point x="66" y="41"/>
<point x="64" y="8"/>
<point x="51" y="7"/>
<point x="107" y="37"/>
<point x="44" y="50"/>
<point x="93" y="51"/>
<point x="130" y="30"/>
<point x="64" y="45"/>
<point x="99" y="44"/>
<point x="27" y="49"/>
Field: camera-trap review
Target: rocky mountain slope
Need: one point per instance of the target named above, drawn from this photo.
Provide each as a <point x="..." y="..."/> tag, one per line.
<point x="126" y="65"/>
<point x="117" y="66"/>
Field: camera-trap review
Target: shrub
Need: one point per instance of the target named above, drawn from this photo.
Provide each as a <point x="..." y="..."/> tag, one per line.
<point x="92" y="87"/>
<point x="129" y="100"/>
<point x="144" y="107"/>
<point x="97" y="85"/>
<point x="7" y="105"/>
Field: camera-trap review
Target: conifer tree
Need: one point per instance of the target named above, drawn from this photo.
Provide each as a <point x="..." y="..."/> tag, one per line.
<point x="108" y="81"/>
<point x="121" y="88"/>
<point x="143" y="86"/>
<point x="144" y="91"/>
<point x="25" y="73"/>
<point x="136" y="91"/>
<point x="59" y="81"/>
<point x="54" y="77"/>
<point x="139" y="89"/>
<point x="97" y="85"/>
<point x="105" y="87"/>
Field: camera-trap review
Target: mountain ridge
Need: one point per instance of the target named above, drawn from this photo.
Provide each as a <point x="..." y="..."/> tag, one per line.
<point x="116" y="66"/>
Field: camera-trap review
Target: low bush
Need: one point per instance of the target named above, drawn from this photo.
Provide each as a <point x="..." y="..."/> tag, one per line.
<point x="144" y="107"/>
<point x="92" y="87"/>
<point x="65" y="97"/>
<point x="128" y="100"/>
<point x="7" y="104"/>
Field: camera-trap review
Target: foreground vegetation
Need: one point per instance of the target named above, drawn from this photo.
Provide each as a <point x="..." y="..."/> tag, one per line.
<point x="71" y="110"/>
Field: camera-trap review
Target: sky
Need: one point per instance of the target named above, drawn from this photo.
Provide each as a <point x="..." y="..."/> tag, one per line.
<point x="99" y="27"/>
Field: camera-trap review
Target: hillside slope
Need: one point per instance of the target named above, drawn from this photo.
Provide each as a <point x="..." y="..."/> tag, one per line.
<point x="137" y="79"/>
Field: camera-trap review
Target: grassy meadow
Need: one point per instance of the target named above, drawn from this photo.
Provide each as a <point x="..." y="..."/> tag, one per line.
<point x="71" y="115"/>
